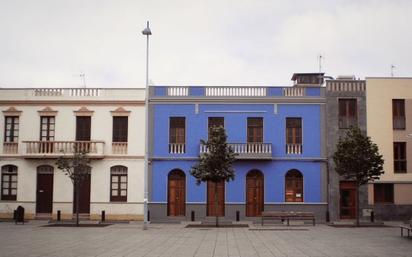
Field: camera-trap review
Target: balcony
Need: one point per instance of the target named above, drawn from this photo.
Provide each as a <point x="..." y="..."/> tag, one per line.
<point x="294" y="148"/>
<point x="10" y="148"/>
<point x="119" y="148"/>
<point x="177" y="148"/>
<point x="55" y="149"/>
<point x="247" y="150"/>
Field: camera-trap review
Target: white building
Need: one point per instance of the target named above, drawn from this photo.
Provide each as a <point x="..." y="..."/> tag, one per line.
<point x="39" y="125"/>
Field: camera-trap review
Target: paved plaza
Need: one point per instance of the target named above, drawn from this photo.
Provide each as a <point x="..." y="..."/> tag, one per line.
<point x="175" y="240"/>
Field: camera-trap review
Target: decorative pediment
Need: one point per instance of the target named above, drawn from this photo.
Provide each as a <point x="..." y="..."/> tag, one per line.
<point x="47" y="111"/>
<point x="120" y="112"/>
<point x="11" y="112"/>
<point x="83" y="111"/>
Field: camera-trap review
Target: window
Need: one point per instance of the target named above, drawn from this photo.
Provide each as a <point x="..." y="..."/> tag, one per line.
<point x="398" y="113"/>
<point x="293" y="131"/>
<point x="177" y="130"/>
<point x="215" y="122"/>
<point x="11" y="129"/>
<point x="293" y="186"/>
<point x="118" y="184"/>
<point x="9" y="182"/>
<point x="383" y="193"/>
<point x="399" y="157"/>
<point x="255" y="130"/>
<point x="47" y="128"/>
<point x="120" y="128"/>
<point x="347" y="113"/>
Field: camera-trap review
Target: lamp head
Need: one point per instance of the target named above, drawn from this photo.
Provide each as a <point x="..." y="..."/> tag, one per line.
<point x="147" y="31"/>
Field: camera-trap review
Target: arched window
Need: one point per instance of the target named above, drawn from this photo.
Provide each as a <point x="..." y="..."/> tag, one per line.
<point x="118" y="184"/>
<point x="293" y="186"/>
<point x="45" y="169"/>
<point x="9" y="182"/>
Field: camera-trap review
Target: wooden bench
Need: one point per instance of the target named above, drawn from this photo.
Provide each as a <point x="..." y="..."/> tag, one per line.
<point x="407" y="228"/>
<point x="277" y="215"/>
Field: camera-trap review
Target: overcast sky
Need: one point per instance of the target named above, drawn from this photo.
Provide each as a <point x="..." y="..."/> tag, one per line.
<point x="214" y="42"/>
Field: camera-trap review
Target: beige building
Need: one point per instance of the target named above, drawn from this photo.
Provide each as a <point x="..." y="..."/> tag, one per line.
<point x="39" y="125"/>
<point x="389" y="124"/>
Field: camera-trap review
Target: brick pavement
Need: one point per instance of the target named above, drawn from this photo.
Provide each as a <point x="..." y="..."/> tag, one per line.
<point x="177" y="241"/>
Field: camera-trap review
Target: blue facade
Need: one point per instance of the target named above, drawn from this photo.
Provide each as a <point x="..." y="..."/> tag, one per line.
<point x="274" y="107"/>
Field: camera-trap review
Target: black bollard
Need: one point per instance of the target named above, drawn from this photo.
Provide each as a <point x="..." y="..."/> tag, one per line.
<point x="372" y="216"/>
<point x="148" y="215"/>
<point x="237" y="215"/>
<point x="192" y="216"/>
<point x="59" y="215"/>
<point x="103" y="216"/>
<point x="327" y="216"/>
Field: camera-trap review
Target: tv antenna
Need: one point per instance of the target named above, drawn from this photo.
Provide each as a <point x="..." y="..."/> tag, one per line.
<point x="392" y="69"/>
<point x="320" y="62"/>
<point x="83" y="79"/>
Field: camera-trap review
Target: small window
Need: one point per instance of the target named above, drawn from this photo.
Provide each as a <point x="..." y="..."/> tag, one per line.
<point x="9" y="183"/>
<point x="293" y="186"/>
<point x="177" y="130"/>
<point x="383" y="193"/>
<point x="347" y="113"/>
<point x="215" y="122"/>
<point x="293" y="130"/>
<point x="118" y="184"/>
<point x="120" y="128"/>
<point x="255" y="130"/>
<point x="399" y="157"/>
<point x="11" y="129"/>
<point x="398" y="114"/>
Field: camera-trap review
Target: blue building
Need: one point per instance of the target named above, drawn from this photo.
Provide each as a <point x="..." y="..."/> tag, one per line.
<point x="276" y="131"/>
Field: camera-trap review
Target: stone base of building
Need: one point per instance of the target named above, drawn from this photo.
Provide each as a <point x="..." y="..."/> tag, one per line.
<point x="158" y="211"/>
<point x="392" y="211"/>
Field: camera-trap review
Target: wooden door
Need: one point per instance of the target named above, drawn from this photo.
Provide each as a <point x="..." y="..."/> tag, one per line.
<point x="84" y="202"/>
<point x="254" y="193"/>
<point x="211" y="188"/>
<point x="44" y="195"/>
<point x="176" y="199"/>
<point x="347" y="200"/>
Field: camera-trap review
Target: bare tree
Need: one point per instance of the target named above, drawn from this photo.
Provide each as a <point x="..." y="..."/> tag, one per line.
<point x="77" y="168"/>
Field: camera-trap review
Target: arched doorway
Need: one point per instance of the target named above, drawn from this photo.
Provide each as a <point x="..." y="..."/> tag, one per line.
<point x="254" y="193"/>
<point x="212" y="209"/>
<point x="84" y="194"/>
<point x="44" y="195"/>
<point x="176" y="193"/>
<point x="293" y="186"/>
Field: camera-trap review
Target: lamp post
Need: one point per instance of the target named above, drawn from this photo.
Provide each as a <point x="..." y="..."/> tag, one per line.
<point x="146" y="32"/>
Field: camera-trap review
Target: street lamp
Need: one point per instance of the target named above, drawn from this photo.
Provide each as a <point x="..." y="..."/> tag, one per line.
<point x="146" y="32"/>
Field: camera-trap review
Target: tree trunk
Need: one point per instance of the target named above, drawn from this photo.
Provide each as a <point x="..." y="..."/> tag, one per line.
<point x="77" y="203"/>
<point x="357" y="204"/>
<point x="216" y="205"/>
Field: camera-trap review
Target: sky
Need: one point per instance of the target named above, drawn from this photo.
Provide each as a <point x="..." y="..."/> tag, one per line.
<point x="49" y="43"/>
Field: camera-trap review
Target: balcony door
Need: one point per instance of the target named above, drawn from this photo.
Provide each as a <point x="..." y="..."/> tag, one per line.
<point x="211" y="189"/>
<point x="47" y="126"/>
<point x="255" y="130"/>
<point x="83" y="132"/>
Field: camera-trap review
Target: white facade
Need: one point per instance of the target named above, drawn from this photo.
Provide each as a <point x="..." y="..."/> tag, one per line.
<point x="65" y="105"/>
